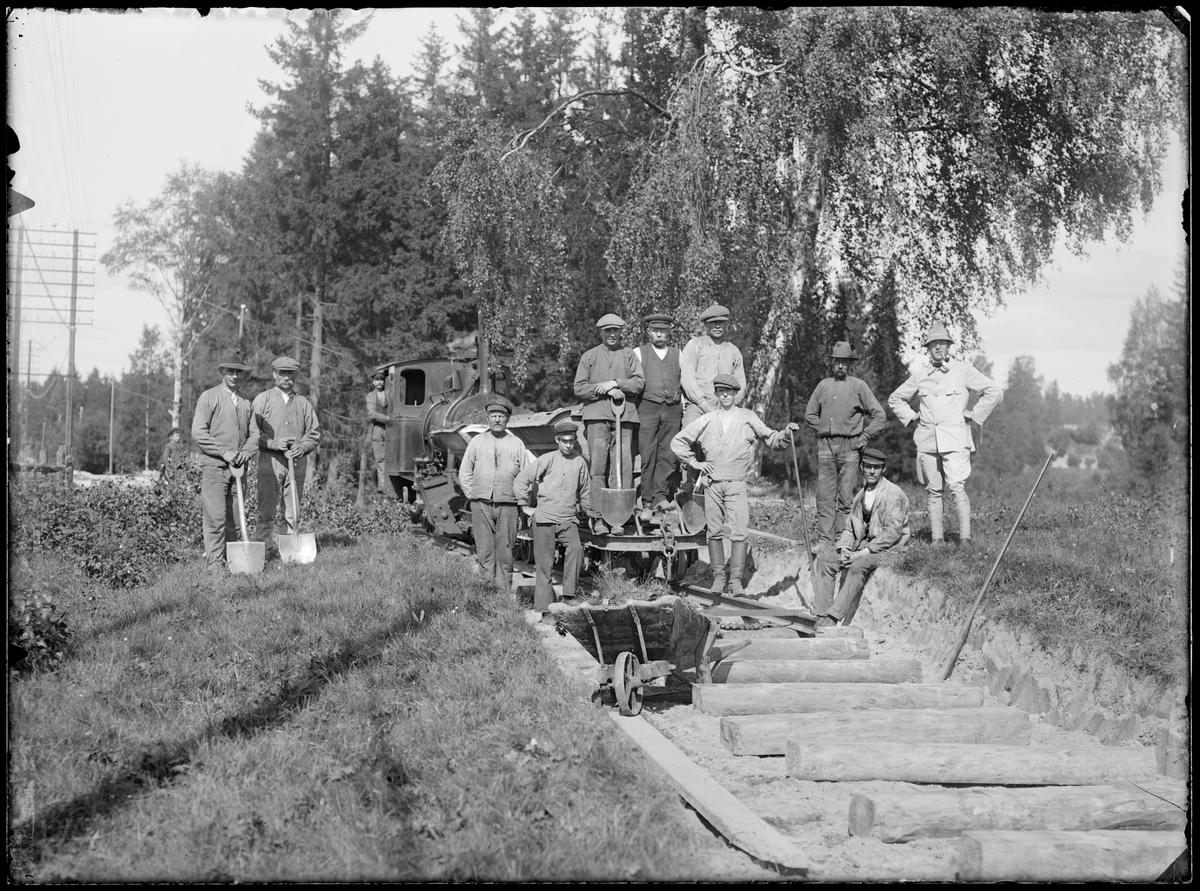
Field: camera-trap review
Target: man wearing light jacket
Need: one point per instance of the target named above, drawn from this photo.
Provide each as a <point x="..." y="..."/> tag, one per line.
<point x="490" y="463"/>
<point x="221" y="431"/>
<point x="878" y="523"/>
<point x="283" y="425"/>
<point x="943" y="437"/>
<point x="377" y="415"/>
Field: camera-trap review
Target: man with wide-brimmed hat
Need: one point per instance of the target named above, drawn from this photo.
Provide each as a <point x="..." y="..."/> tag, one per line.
<point x="377" y="417"/>
<point x="703" y="358"/>
<point x="719" y="445"/>
<point x="660" y="414"/>
<point x="560" y="484"/>
<point x="221" y="431"/>
<point x="609" y="378"/>
<point x="943" y="436"/>
<point x="489" y="465"/>
<point x="878" y="524"/>
<point x="283" y="425"/>
<point x="845" y="415"/>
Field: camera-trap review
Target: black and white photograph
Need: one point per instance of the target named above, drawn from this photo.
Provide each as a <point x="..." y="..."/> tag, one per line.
<point x="599" y="444"/>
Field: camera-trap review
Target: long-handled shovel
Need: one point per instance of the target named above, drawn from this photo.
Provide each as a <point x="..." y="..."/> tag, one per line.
<point x="299" y="547"/>
<point x="617" y="505"/>
<point x="812" y="570"/>
<point x="244" y="556"/>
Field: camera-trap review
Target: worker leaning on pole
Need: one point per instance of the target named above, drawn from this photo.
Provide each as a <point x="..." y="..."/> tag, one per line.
<point x="221" y="431"/>
<point x="283" y="424"/>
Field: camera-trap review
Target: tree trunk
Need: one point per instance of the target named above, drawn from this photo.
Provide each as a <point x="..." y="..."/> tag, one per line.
<point x="1105" y="855"/>
<point x="801" y="648"/>
<point x="770" y="699"/>
<point x="314" y="379"/>
<point x="177" y="394"/>
<point x="880" y="671"/>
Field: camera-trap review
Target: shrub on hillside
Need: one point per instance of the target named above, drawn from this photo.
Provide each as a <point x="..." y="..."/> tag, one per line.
<point x="37" y="630"/>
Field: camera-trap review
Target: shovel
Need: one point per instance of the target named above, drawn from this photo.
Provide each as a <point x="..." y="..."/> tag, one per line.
<point x="299" y="547"/>
<point x="617" y="505"/>
<point x="691" y="507"/>
<point x="244" y="556"/>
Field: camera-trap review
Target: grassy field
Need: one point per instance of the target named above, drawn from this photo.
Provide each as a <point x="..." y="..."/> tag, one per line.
<point x="379" y="715"/>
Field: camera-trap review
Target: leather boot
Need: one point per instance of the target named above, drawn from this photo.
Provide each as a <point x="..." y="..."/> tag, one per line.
<point x="963" y="504"/>
<point x="737" y="565"/>
<point x="936" y="529"/>
<point x="716" y="559"/>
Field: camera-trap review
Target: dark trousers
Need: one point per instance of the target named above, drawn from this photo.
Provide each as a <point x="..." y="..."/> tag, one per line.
<point x="495" y="529"/>
<point x="658" y="424"/>
<point x="837" y="481"/>
<point x="545" y="537"/>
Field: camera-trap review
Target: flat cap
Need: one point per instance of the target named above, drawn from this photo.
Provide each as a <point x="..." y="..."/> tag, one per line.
<point x="499" y="405"/>
<point x="842" y="350"/>
<point x="565" y="428"/>
<point x="874" y="456"/>
<point x="937" y="331"/>
<point x="285" y="363"/>
<point x="715" y="313"/>
<point x="610" y="320"/>
<point x="658" y="320"/>
<point x="379" y="371"/>
<point x="728" y="381"/>
<point x="233" y="360"/>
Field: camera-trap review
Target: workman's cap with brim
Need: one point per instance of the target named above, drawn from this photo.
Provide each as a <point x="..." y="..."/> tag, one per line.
<point x="234" y="361"/>
<point x="610" y="320"/>
<point x="499" y="405"/>
<point x="842" y="350"/>
<point x="726" y="380"/>
<point x="715" y="313"/>
<point x="285" y="363"/>
<point x="173" y="431"/>
<point x="874" y="456"/>
<point x="937" y="332"/>
<point x="381" y="371"/>
<point x="566" y="428"/>
<point x="658" y="320"/>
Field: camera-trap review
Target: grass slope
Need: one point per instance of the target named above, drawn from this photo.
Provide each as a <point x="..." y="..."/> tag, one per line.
<point x="377" y="715"/>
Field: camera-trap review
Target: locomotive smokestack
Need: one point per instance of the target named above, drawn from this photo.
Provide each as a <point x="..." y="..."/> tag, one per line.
<point x="485" y="377"/>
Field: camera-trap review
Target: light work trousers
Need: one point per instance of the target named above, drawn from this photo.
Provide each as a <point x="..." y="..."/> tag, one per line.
<point x="727" y="510"/>
<point x="941" y="471"/>
<point x="837" y="481"/>
<point x="545" y="537"/>
<point x="495" y="529"/>
<point x="858" y="574"/>
<point x="381" y="477"/>
<point x="218" y="512"/>
<point x="275" y="484"/>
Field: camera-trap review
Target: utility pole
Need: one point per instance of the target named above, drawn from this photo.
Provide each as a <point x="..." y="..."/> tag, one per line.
<point x="15" y="421"/>
<point x="147" y="456"/>
<point x="241" y="323"/>
<point x="112" y="410"/>
<point x="68" y="449"/>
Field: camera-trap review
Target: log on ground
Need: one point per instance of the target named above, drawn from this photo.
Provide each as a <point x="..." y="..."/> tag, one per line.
<point x="770" y="734"/>
<point x="830" y="631"/>
<point x="1104" y="855"/>
<point x="773" y="699"/>
<point x="852" y="671"/>
<point x="970" y="764"/>
<point x="943" y="813"/>
<point x="809" y="648"/>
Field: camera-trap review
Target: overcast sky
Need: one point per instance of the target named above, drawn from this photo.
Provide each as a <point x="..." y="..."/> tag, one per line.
<point x="106" y="105"/>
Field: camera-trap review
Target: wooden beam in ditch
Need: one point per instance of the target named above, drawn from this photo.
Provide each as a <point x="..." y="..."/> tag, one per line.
<point x="853" y="671"/>
<point x="1105" y="855"/>
<point x="895" y="817"/>
<point x="772" y="699"/>
<point x="807" y="648"/>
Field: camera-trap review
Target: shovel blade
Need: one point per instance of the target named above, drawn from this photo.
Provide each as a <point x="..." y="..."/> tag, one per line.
<point x="617" y="505"/>
<point x="299" y="548"/>
<point x="245" y="557"/>
<point x="691" y="512"/>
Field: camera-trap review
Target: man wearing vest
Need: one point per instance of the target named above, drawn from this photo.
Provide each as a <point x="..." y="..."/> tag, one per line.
<point x="221" y="431"/>
<point x="878" y="523"/>
<point x="377" y="413"/>
<point x="660" y="414"/>
<point x="283" y="425"/>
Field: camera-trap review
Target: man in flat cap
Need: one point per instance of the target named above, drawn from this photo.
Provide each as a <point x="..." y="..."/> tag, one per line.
<point x="283" y="425"/>
<point x="660" y="414"/>
<point x="489" y="466"/>
<point x="845" y="415"/>
<point x="377" y="416"/>
<point x="878" y="523"/>
<point x="221" y="431"/>
<point x="943" y="436"/>
<point x="719" y="445"/>
<point x="703" y="358"/>
<point x="608" y="380"/>
<point x="561" y="481"/>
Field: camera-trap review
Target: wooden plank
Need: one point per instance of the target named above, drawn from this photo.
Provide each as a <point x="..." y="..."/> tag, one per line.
<point x="806" y="648"/>
<point x="770" y="699"/>
<point x="943" y="762"/>
<point x="780" y="633"/>
<point x="1103" y="855"/>
<point x="770" y="734"/>
<point x="718" y="806"/>
<point x="881" y="671"/>
<point x="901" y="816"/>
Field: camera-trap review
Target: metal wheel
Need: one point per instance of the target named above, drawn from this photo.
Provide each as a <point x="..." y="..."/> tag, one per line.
<point x="626" y="684"/>
<point x="681" y="564"/>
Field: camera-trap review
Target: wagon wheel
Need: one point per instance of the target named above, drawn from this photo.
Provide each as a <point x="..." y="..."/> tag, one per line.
<point x="681" y="564"/>
<point x="626" y="684"/>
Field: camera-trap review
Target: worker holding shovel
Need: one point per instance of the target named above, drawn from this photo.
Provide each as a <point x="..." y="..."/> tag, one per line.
<point x="284" y="429"/>
<point x="720" y="446"/>
<point x="221" y="431"/>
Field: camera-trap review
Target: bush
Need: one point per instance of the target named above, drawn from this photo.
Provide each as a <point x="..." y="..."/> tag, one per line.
<point x="37" y="631"/>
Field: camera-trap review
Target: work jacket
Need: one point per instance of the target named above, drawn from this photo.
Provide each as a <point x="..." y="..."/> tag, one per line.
<point x="276" y="418"/>
<point x="563" y="487"/>
<point x="489" y="466"/>
<point x="888" y="525"/>
<point x="943" y="405"/>
<point x="700" y="361"/>
<point x="731" y="450"/>
<point x="841" y="408"/>
<point x="221" y="424"/>
<point x="600" y="364"/>
<point x="377" y="406"/>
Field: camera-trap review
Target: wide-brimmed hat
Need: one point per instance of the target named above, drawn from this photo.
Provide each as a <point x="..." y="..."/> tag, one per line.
<point x="285" y="363"/>
<point x="728" y="381"/>
<point x="610" y="320"/>
<point x="715" y="313"/>
<point x="842" y="350"/>
<point x="874" y="456"/>
<point x="233" y="360"/>
<point x="937" y="331"/>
